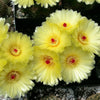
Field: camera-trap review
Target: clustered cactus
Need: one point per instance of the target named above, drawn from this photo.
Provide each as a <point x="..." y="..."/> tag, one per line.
<point x="62" y="48"/>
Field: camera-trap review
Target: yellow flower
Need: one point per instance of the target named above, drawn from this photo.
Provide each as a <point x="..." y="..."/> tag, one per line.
<point x="3" y="62"/>
<point x="87" y="36"/>
<point x="98" y="1"/>
<point x="45" y="3"/>
<point x="48" y="36"/>
<point x="23" y="3"/>
<point x="17" y="48"/>
<point x="47" y="66"/>
<point x="87" y="1"/>
<point x="15" y="80"/>
<point x="66" y="19"/>
<point x="3" y="29"/>
<point x="76" y="64"/>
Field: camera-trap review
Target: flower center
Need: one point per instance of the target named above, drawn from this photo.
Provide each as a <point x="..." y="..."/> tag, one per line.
<point x="72" y="60"/>
<point x="13" y="75"/>
<point x="15" y="51"/>
<point x="82" y="39"/>
<point x="65" y="25"/>
<point x="54" y="42"/>
<point x="48" y="60"/>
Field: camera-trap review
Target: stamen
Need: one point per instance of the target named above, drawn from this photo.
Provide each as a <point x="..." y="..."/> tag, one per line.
<point x="72" y="61"/>
<point x="52" y="40"/>
<point x="47" y="61"/>
<point x="15" y="50"/>
<point x="64" y="25"/>
<point x="13" y="76"/>
<point x="83" y="38"/>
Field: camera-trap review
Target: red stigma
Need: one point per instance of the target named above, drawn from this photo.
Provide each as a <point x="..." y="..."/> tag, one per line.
<point x="13" y="76"/>
<point x="72" y="61"/>
<point x="47" y="61"/>
<point x="15" y="50"/>
<point x="83" y="37"/>
<point x="64" y="25"/>
<point x="52" y="40"/>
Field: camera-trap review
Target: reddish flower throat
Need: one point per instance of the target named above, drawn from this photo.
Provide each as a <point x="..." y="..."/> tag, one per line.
<point x="15" y="50"/>
<point x="47" y="61"/>
<point x="13" y="76"/>
<point x="83" y="38"/>
<point x="53" y="40"/>
<point x="64" y="25"/>
<point x="72" y="61"/>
